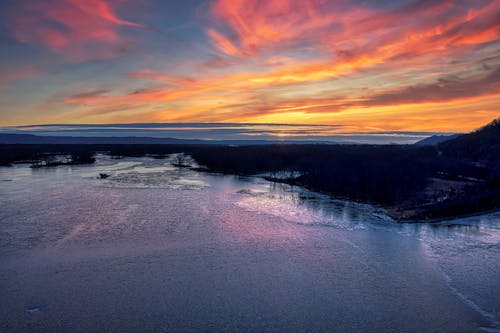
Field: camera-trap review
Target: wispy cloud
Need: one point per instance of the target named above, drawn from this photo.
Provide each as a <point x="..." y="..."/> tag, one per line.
<point x="10" y="75"/>
<point x="268" y="24"/>
<point x="80" y="30"/>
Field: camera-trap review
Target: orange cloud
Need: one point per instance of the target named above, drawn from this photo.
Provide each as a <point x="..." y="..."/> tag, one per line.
<point x="224" y="44"/>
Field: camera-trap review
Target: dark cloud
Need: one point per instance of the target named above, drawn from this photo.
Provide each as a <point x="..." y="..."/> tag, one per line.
<point x="444" y="89"/>
<point x="89" y="94"/>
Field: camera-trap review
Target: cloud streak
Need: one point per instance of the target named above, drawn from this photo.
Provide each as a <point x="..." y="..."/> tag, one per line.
<point x="224" y="131"/>
<point x="443" y="90"/>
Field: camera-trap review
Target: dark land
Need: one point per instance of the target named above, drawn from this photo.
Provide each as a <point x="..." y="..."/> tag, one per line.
<point x="440" y="179"/>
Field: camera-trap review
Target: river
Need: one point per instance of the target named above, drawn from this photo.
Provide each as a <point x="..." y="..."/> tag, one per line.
<point x="160" y="249"/>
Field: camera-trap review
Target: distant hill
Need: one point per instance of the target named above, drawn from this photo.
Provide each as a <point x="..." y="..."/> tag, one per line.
<point x="475" y="143"/>
<point x="29" y="139"/>
<point x="8" y="138"/>
<point x="482" y="145"/>
<point x="436" y="139"/>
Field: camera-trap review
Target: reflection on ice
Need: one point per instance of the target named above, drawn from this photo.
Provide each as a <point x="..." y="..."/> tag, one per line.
<point x="307" y="208"/>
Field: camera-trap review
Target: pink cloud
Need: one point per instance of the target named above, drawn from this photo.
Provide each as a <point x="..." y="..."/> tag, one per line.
<point x="80" y="30"/>
<point x="248" y="28"/>
<point x="262" y="24"/>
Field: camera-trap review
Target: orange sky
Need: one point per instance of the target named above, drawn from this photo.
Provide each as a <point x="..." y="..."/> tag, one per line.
<point x="372" y="65"/>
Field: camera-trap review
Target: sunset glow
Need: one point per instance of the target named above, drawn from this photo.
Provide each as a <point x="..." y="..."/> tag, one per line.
<point x="401" y="65"/>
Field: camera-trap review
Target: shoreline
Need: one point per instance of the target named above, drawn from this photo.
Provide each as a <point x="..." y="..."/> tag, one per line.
<point x="450" y="218"/>
<point x="395" y="217"/>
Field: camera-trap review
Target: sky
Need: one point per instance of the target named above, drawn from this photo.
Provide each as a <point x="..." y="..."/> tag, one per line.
<point x="367" y="66"/>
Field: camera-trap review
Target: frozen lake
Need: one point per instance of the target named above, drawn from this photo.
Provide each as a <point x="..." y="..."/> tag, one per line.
<point x="158" y="249"/>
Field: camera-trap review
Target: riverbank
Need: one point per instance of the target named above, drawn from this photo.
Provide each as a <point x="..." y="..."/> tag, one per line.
<point x="401" y="213"/>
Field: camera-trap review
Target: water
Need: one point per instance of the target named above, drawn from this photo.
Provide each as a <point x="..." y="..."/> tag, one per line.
<point x="159" y="249"/>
